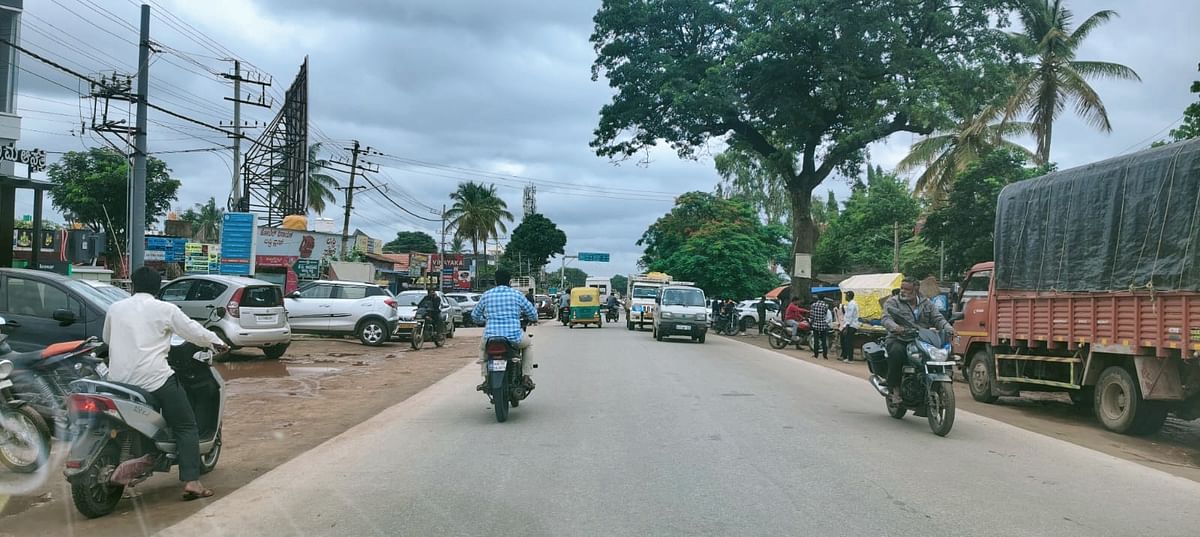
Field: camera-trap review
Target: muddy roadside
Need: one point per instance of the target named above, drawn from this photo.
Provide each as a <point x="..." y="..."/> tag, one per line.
<point x="276" y="410"/>
<point x="1175" y="449"/>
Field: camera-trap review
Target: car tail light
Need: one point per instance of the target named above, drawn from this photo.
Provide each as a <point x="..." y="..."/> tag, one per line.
<point x="390" y="303"/>
<point x="234" y="306"/>
<point x="82" y="403"/>
<point x="495" y="348"/>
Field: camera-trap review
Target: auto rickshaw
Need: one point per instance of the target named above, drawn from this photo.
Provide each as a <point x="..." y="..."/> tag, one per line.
<point x="585" y="306"/>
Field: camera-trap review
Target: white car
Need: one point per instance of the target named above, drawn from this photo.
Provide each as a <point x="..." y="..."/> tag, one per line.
<point x="680" y="311"/>
<point x="467" y="302"/>
<point x="748" y="312"/>
<point x="364" y="310"/>
<point x="407" y="307"/>
<point x="253" y="315"/>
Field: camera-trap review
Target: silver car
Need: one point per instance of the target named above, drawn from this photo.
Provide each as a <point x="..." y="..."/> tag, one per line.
<point x="466" y="302"/>
<point x="407" y="306"/>
<point x="364" y="310"/>
<point x="253" y="310"/>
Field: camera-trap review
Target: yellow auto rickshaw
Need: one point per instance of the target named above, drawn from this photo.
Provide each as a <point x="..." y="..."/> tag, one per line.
<point x="585" y="306"/>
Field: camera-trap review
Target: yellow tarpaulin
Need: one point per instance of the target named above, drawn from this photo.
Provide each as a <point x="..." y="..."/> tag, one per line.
<point x="869" y="292"/>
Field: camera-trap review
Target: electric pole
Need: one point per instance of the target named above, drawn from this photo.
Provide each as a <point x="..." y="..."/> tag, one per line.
<point x="137" y="184"/>
<point x="237" y="78"/>
<point x="442" y="284"/>
<point x="354" y="169"/>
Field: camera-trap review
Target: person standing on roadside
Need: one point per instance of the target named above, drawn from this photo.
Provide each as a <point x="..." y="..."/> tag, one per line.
<point x="762" y="314"/>
<point x="849" y="327"/>
<point x="818" y="319"/>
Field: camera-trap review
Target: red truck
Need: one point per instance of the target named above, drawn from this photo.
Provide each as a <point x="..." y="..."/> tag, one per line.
<point x="1094" y="291"/>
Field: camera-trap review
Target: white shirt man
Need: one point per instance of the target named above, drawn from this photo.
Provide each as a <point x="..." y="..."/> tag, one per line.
<point x="849" y="326"/>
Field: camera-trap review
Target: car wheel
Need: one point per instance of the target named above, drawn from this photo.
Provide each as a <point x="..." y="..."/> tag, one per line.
<point x="372" y="332"/>
<point x="275" y="352"/>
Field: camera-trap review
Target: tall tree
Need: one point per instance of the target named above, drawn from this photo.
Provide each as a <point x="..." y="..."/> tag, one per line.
<point x="90" y="188"/>
<point x="743" y="177"/>
<point x="533" y="242"/>
<point x="966" y="222"/>
<point x="456" y="245"/>
<point x="411" y="241"/>
<point x="1054" y="78"/>
<point x="804" y="85"/>
<point x="1191" y="119"/>
<point x="574" y="277"/>
<point x="945" y="154"/>
<point x="320" y="184"/>
<point x="862" y="236"/>
<point x="478" y="214"/>
<point x="619" y="283"/>
<point x="205" y="220"/>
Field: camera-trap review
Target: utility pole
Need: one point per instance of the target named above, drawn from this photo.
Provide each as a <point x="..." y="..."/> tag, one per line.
<point x="137" y="185"/>
<point x="354" y="170"/>
<point x="441" y="284"/>
<point x="896" y="247"/>
<point x="237" y="78"/>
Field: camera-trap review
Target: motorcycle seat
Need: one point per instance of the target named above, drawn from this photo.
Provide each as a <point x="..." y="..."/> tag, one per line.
<point x="24" y="360"/>
<point x="149" y="397"/>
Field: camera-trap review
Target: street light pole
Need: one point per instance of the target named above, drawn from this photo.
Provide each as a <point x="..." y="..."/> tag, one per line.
<point x="562" y="272"/>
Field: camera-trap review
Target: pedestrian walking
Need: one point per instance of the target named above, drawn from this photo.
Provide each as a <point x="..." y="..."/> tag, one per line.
<point x="849" y="327"/>
<point x="762" y="314"/>
<point x="818" y="319"/>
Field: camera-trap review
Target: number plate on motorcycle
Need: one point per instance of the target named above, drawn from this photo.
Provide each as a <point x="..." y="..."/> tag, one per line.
<point x="684" y="327"/>
<point x="497" y="365"/>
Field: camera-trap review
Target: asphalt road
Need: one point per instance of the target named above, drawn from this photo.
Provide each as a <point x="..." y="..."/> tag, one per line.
<point x="628" y="436"/>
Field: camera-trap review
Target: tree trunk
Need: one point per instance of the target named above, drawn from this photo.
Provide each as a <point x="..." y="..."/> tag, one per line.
<point x="1044" y="144"/>
<point x="804" y="237"/>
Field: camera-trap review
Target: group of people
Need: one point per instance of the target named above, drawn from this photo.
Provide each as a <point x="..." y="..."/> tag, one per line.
<point x="823" y="318"/>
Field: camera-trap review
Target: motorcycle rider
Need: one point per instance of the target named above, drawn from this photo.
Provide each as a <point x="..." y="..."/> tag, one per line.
<point x="432" y="304"/>
<point x="138" y="331"/>
<point x="612" y="302"/>
<point x="903" y="315"/>
<point x="502" y="309"/>
<point x="793" y="315"/>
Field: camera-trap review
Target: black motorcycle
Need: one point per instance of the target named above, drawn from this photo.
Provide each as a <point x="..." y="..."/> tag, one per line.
<point x="505" y="384"/>
<point x="726" y="325"/>
<point x="564" y="315"/>
<point x="426" y="330"/>
<point x="612" y="314"/>
<point x="926" y="386"/>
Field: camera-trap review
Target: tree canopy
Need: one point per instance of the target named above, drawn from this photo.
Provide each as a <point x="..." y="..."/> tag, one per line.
<point x="478" y="214"/>
<point x="862" y="237"/>
<point x="719" y="244"/>
<point x="91" y="188"/>
<point x="619" y="283"/>
<point x="574" y="277"/>
<point x="802" y="85"/>
<point x="411" y="241"/>
<point x="1190" y="128"/>
<point x="534" y="241"/>
<point x="205" y="220"/>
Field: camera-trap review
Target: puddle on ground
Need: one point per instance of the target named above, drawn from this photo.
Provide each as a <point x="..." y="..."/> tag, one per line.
<point x="269" y="369"/>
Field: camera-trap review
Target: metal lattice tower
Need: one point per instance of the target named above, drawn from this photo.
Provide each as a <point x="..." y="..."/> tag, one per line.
<point x="275" y="172"/>
<point x="530" y="199"/>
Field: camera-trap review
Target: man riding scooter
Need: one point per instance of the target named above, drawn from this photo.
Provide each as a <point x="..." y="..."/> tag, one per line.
<point x="138" y="332"/>
<point x="503" y="308"/>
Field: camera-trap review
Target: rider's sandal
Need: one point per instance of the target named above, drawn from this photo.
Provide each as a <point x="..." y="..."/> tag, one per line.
<point x="189" y="495"/>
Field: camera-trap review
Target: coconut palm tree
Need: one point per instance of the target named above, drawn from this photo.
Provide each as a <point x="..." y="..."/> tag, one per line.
<point x="946" y="154"/>
<point x="1054" y="78"/>
<point x="456" y="245"/>
<point x="205" y="220"/>
<point x="320" y="184"/>
<point x="477" y="214"/>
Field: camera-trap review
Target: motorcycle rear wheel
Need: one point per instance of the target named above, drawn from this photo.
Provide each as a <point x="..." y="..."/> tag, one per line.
<point x="91" y="492"/>
<point x="500" y="403"/>
<point x="776" y="339"/>
<point x="24" y="426"/>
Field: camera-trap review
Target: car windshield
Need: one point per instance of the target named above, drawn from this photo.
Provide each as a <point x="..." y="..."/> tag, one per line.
<point x="645" y="292"/>
<point x="683" y="297"/>
<point x="105" y="296"/>
<point x="409" y="299"/>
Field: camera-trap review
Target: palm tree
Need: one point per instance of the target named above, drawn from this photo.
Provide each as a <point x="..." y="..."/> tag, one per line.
<point x="946" y="154"/>
<point x="1054" y="76"/>
<point x="205" y="220"/>
<point x="478" y="214"/>
<point x="320" y="184"/>
<point x="456" y="245"/>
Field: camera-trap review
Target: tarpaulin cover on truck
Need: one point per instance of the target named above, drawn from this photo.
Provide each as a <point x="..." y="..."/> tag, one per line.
<point x="1125" y="223"/>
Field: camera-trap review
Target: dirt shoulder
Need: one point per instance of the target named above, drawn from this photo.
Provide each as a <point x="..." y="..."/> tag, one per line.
<point x="275" y="411"/>
<point x="1175" y="450"/>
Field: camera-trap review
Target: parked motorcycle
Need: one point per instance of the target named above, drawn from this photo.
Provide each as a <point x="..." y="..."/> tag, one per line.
<point x="726" y="325"/>
<point x="426" y="331"/>
<point x="120" y="438"/>
<point x="780" y="336"/>
<point x="505" y="383"/>
<point x="24" y="435"/>
<point x="927" y="383"/>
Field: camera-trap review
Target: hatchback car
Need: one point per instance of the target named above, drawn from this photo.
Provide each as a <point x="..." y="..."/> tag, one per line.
<point x="467" y="302"/>
<point x="41" y="308"/>
<point x="330" y="307"/>
<point x="254" y="314"/>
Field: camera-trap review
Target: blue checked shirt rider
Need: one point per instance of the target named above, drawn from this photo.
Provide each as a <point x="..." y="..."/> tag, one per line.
<point x="502" y="309"/>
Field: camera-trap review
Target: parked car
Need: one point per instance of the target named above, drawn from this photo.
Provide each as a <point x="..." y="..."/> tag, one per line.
<point x="467" y="302"/>
<point x="108" y="289"/>
<point x="41" y="308"/>
<point x="254" y="314"/>
<point x="407" y="306"/>
<point x="363" y="310"/>
<point x="748" y="312"/>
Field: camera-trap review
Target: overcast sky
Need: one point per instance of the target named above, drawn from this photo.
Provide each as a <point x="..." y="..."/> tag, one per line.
<point x="501" y="87"/>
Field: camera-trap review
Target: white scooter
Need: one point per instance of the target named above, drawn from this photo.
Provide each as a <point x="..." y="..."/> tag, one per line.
<point x="120" y="439"/>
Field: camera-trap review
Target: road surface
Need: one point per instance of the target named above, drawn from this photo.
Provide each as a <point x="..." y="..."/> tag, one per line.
<point x="628" y="436"/>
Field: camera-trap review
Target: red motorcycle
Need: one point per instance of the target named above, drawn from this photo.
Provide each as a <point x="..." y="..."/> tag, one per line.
<point x="780" y="336"/>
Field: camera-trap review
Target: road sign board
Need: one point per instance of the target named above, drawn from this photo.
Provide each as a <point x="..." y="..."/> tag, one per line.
<point x="597" y="257"/>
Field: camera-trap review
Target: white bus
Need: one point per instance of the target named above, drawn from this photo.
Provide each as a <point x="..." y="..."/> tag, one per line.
<point x="602" y="284"/>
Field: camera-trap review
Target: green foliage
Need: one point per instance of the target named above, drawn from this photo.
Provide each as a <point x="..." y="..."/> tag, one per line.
<point x="1191" y="119"/>
<point x="320" y="184"/>
<point x="967" y="222"/>
<point x="575" y="277"/>
<point x="919" y="260"/>
<point x="619" y="283"/>
<point x="803" y="85"/>
<point x="456" y="245"/>
<point x="478" y="214"/>
<point x="205" y="221"/>
<point x="862" y="237"/>
<point x="718" y="243"/>
<point x="533" y="242"/>
<point x="1052" y="77"/>
<point x="946" y="154"/>
<point x="743" y="177"/>
<point x="411" y="241"/>
<point x="91" y="187"/>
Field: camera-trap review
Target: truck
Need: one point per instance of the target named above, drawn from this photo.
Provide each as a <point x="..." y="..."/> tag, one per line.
<point x="602" y="284"/>
<point x="639" y="300"/>
<point x="1094" y="291"/>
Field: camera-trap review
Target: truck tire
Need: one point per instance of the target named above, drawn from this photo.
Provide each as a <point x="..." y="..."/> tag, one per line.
<point x="981" y="378"/>
<point x="1119" y="406"/>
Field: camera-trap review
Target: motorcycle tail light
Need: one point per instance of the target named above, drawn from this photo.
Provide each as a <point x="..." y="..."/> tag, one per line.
<point x="74" y="464"/>
<point x="85" y="404"/>
<point x="234" y="306"/>
<point x="495" y="349"/>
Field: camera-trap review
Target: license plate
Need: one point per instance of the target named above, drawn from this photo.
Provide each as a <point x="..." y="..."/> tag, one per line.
<point x="684" y="327"/>
<point x="267" y="319"/>
<point x="497" y="365"/>
<point x="5" y="384"/>
<point x="406" y="326"/>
